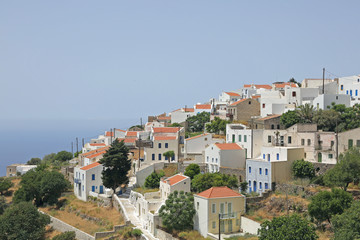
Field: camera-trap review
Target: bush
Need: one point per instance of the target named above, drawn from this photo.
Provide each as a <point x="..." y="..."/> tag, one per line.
<point x="65" y="236"/>
<point x="192" y="170"/>
<point x="136" y="232"/>
<point x="303" y="169"/>
<point x="153" y="180"/>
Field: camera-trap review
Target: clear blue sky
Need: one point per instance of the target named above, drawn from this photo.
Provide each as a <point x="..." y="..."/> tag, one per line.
<point x="126" y="59"/>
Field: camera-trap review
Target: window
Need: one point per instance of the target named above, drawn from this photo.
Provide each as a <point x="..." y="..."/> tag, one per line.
<point x="350" y="92"/>
<point x="159" y="145"/>
<point x="159" y="156"/>
<point x="350" y="143"/>
<point x="309" y="142"/>
<point x="269" y="139"/>
<point x="249" y="169"/>
<point x="245" y="138"/>
<point x="237" y="222"/>
<point x="229" y="207"/>
<point x="278" y="126"/>
<point x="263" y="105"/>
<point x="213" y="208"/>
<point x="83" y="177"/>
<point x="302" y="142"/>
<point x="249" y="183"/>
<point x="153" y="156"/>
<point x="332" y="143"/>
<point x="268" y="157"/>
<point x="272" y="126"/>
<point x="266" y="171"/>
<point x="260" y="171"/>
<point x="347" y="92"/>
<point x="277" y="156"/>
<point x="205" y="139"/>
<point x="166" y="145"/>
<point x="239" y="138"/>
<point x="93" y="177"/>
<point x="356" y="92"/>
<point x="213" y="224"/>
<point x="249" y="102"/>
<point x="260" y="185"/>
<point x="337" y="97"/>
<point x="289" y="139"/>
<point x="294" y="94"/>
<point x="216" y="160"/>
<point x="83" y="187"/>
<point x="207" y="159"/>
<point x="197" y="205"/>
<point x="266" y="186"/>
<point x="330" y="156"/>
<point x="212" y="160"/>
<point x="222" y="207"/>
<point x="264" y="156"/>
<point x="358" y="143"/>
<point x="342" y="87"/>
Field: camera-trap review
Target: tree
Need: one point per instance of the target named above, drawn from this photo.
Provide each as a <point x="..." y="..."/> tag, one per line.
<point x="303" y="169"/>
<point x="23" y="221"/>
<point x="117" y="165"/>
<point x="175" y="125"/>
<point x="63" y="156"/>
<point x="65" y="236"/>
<point x="196" y="123"/>
<point x="5" y="184"/>
<point x="306" y="113"/>
<point x="192" y="170"/>
<point x="153" y="180"/>
<point x="34" y="161"/>
<point x="178" y="211"/>
<point x="326" y="119"/>
<point x="202" y="182"/>
<point x="326" y="204"/>
<point x="243" y="186"/>
<point x="347" y="225"/>
<point x="346" y="171"/>
<point x="169" y="155"/>
<point x="217" y="126"/>
<point x="287" y="227"/>
<point x="289" y="118"/>
<point x="42" y="186"/>
<point x="49" y="158"/>
<point x="292" y="80"/>
<point x="3" y="205"/>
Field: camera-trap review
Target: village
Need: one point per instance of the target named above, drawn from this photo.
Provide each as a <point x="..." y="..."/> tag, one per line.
<point x="252" y="138"/>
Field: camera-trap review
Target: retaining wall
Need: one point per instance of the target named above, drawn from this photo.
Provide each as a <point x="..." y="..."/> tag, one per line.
<point x="249" y="226"/>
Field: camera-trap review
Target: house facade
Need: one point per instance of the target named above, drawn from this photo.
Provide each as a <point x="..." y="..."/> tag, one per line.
<point x="243" y="110"/>
<point x="194" y="147"/>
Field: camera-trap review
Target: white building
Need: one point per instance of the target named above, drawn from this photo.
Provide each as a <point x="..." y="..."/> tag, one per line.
<point x="224" y="155"/>
<point x="92" y="146"/>
<point x="229" y="97"/>
<point x="194" y="147"/>
<point x="15" y="169"/>
<point x="180" y="115"/>
<point x="350" y="86"/>
<point x="324" y="101"/>
<point x="198" y="108"/>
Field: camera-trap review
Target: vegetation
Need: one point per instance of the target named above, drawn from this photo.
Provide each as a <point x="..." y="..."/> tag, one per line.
<point x="77" y="154"/>
<point x="303" y="169"/>
<point x="178" y="211"/>
<point x="289" y="118"/>
<point x="23" y="221"/>
<point x="153" y="180"/>
<point x="202" y="182"/>
<point x="41" y="186"/>
<point x="117" y="165"/>
<point x="136" y="128"/>
<point x="5" y="184"/>
<point x="325" y="204"/>
<point x="287" y="227"/>
<point x="3" y="205"/>
<point x="244" y="187"/>
<point x="196" y="123"/>
<point x="346" y="171"/>
<point x="34" y="161"/>
<point x="217" y="126"/>
<point x="169" y="155"/>
<point x="347" y="225"/>
<point x="175" y="125"/>
<point x="65" y="236"/>
<point x="192" y="170"/>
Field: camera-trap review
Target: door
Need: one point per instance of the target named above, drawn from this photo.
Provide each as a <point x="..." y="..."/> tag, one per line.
<point x="233" y="138"/>
<point x="222" y="226"/>
<point x="319" y="157"/>
<point x="101" y="189"/>
<point x="93" y="188"/>
<point x="254" y="183"/>
<point x="230" y="225"/>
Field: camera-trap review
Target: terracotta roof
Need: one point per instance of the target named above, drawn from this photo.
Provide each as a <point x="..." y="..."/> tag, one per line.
<point x="237" y="102"/>
<point x="228" y="146"/>
<point x="232" y="94"/>
<point x="175" y="179"/>
<point x="164" y="118"/>
<point x="282" y="85"/>
<point x="90" y="166"/>
<point x="120" y="130"/>
<point x="158" y="138"/>
<point x="269" y="117"/>
<point x="255" y="97"/>
<point x="219" y="192"/>
<point x="131" y="134"/>
<point x="97" y="144"/>
<point x="127" y="140"/>
<point x="201" y="135"/>
<point x="258" y="86"/>
<point x="166" y="129"/>
<point x="203" y="106"/>
<point x="95" y="151"/>
<point x="188" y="109"/>
<point x="177" y="110"/>
<point x="96" y="154"/>
<point x="109" y="134"/>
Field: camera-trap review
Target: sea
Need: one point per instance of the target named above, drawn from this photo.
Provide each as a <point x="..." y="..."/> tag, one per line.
<point x="21" y="140"/>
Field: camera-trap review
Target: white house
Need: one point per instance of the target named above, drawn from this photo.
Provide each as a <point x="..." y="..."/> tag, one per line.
<point x="194" y="147"/>
<point x="252" y="89"/>
<point x="324" y="101"/>
<point x="87" y="180"/>
<point x="15" y="169"/>
<point x="224" y="155"/>
<point x="229" y="97"/>
<point x="180" y="115"/>
<point x="198" y="108"/>
<point x="150" y="125"/>
<point x="92" y="146"/>
<point x="350" y="86"/>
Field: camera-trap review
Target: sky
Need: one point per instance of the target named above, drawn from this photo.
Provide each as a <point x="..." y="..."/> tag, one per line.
<point x="106" y="60"/>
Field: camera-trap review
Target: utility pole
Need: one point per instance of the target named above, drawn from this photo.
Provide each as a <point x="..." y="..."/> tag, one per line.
<point x="77" y="145"/>
<point x="110" y="135"/>
<point x="141" y="122"/>
<point x="114" y="133"/>
<point x="139" y="150"/>
<point x="219" y="226"/>
<point x="83" y="142"/>
<point x="337" y="141"/>
<point x="252" y="137"/>
<point x="323" y="81"/>
<point x="72" y="148"/>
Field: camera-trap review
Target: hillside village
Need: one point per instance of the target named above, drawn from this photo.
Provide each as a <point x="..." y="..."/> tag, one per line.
<point x="250" y="137"/>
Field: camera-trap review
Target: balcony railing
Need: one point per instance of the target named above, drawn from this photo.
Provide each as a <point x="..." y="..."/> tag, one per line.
<point x="227" y="215"/>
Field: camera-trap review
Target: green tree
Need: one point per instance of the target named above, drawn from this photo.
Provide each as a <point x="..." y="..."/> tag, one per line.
<point x="289" y="118"/>
<point x="325" y="204"/>
<point x="22" y="222"/>
<point x="244" y="187"/>
<point x="175" y="125"/>
<point x="192" y="170"/>
<point x="202" y="182"/>
<point x="169" y="155"/>
<point x="49" y="158"/>
<point x="346" y="171"/>
<point x="65" y="236"/>
<point x="303" y="169"/>
<point x="292" y="80"/>
<point x="217" y="126"/>
<point x="196" y="123"/>
<point x="326" y="119"/>
<point x="153" y="180"/>
<point x="34" y="161"/>
<point x="63" y="156"/>
<point x="306" y="113"/>
<point x="3" y="205"/>
<point x="347" y="225"/>
<point x="117" y="165"/>
<point x="178" y="211"/>
<point x="77" y="154"/>
<point x="5" y="184"/>
<point x="287" y="227"/>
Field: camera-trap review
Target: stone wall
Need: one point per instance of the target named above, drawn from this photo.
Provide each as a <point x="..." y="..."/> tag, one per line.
<point x="121" y="208"/>
<point x="105" y="234"/>
<point x="321" y="168"/>
<point x="249" y="226"/>
<point x="142" y="174"/>
<point x="259" y="198"/>
<point x="160" y="234"/>
<point x="239" y="173"/>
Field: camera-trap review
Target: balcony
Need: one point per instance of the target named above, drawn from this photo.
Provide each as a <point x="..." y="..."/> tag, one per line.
<point x="227" y="215"/>
<point x="77" y="180"/>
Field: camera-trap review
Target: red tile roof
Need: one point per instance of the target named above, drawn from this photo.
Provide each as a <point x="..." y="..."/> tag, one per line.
<point x="232" y="94"/>
<point x="97" y="144"/>
<point x="219" y="192"/>
<point x="228" y="146"/>
<point x="237" y="102"/>
<point x="96" y="154"/>
<point x="94" y="151"/>
<point x="127" y="140"/>
<point x="131" y="134"/>
<point x="201" y="135"/>
<point x="282" y="85"/>
<point x="90" y="166"/>
<point x="164" y="118"/>
<point x="258" y="86"/>
<point x="254" y="97"/>
<point x="188" y="109"/>
<point x="109" y="134"/>
<point x="166" y="129"/>
<point x="175" y="179"/>
<point x="159" y="138"/>
<point x="120" y="130"/>
<point x="269" y="117"/>
<point x="203" y="106"/>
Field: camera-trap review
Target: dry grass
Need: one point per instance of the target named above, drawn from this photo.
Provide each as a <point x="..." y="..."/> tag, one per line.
<point x="50" y="232"/>
<point x="108" y="216"/>
<point x="145" y="190"/>
<point x="191" y="235"/>
<point x="10" y="194"/>
<point x="170" y="170"/>
<point x="325" y="235"/>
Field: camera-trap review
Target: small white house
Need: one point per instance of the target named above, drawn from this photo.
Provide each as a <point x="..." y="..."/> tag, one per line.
<point x="229" y="97"/>
<point x="350" y="86"/>
<point x="194" y="147"/>
<point x="198" y="108"/>
<point x="180" y="115"/>
<point x="87" y="180"/>
<point x="324" y="101"/>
